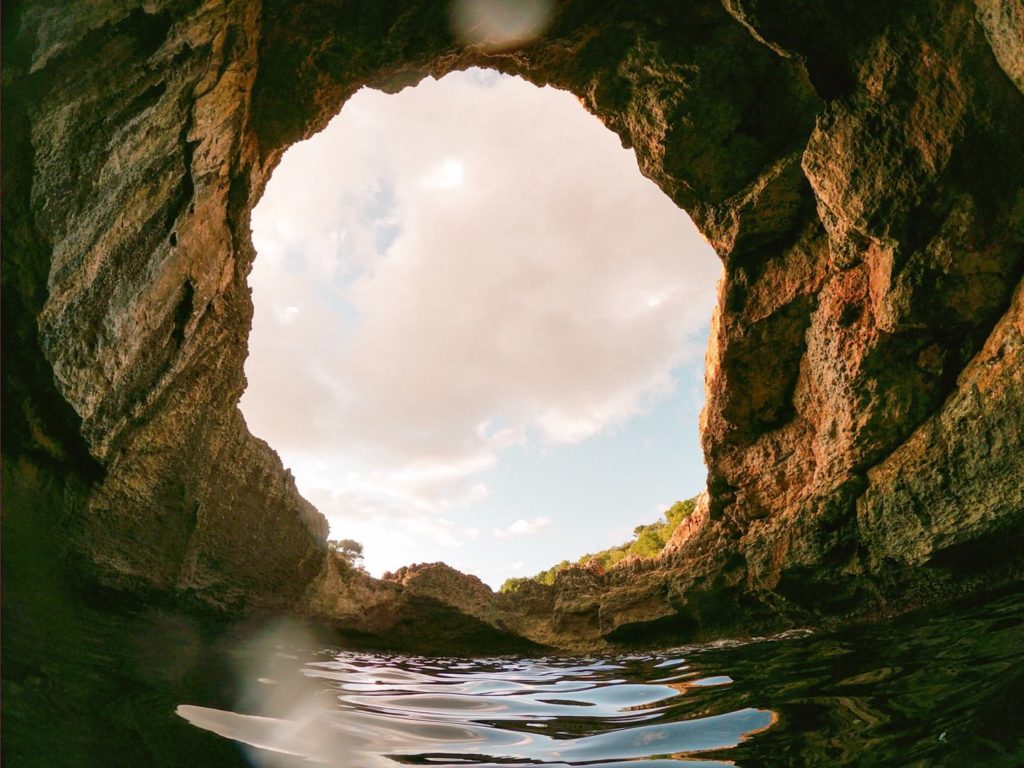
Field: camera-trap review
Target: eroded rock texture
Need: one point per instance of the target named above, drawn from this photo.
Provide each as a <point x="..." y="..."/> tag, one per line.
<point x="858" y="167"/>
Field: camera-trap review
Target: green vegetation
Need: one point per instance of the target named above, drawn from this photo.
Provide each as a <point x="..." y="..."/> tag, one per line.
<point x="648" y="541"/>
<point x="348" y="553"/>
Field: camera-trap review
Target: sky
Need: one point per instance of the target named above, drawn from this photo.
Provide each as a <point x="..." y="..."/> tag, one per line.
<point x="479" y="330"/>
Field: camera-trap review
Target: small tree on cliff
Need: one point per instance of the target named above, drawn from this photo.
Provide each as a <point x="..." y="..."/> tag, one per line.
<point x="348" y="549"/>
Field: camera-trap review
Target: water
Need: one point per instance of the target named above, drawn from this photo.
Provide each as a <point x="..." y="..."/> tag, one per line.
<point x="940" y="688"/>
<point x="92" y="681"/>
<point x="386" y="710"/>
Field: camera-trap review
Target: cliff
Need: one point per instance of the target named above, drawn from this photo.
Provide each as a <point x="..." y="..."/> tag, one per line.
<point x="858" y="168"/>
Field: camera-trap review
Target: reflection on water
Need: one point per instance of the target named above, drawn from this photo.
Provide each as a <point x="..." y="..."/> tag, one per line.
<point x="939" y="688"/>
<point x="100" y="688"/>
<point x="343" y="708"/>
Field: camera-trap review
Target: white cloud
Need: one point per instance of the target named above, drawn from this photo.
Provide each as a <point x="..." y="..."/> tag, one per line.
<point x="285" y="315"/>
<point x="469" y="265"/>
<point x="448" y="175"/>
<point x="521" y="527"/>
<point x="392" y="533"/>
<point x="620" y="535"/>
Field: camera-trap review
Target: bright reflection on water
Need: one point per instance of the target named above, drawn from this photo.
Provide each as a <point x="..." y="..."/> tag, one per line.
<point x="934" y="688"/>
<point x="360" y="710"/>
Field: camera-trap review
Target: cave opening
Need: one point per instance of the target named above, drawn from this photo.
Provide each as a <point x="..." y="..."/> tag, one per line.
<point x="479" y="330"/>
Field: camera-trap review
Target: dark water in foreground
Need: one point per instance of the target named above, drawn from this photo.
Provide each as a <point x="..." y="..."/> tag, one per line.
<point x="940" y="688"/>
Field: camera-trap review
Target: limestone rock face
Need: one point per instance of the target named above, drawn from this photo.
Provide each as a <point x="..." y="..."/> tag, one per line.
<point x="130" y="124"/>
<point x="424" y="608"/>
<point x="443" y="583"/>
<point x="858" y="168"/>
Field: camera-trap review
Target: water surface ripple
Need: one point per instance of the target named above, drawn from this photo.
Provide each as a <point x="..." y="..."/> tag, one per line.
<point x="931" y="689"/>
<point x="383" y="710"/>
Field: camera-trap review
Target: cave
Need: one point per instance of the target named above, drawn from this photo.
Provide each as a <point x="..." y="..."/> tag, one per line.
<point x="857" y="167"/>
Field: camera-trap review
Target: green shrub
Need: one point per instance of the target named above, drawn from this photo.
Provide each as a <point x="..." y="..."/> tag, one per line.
<point x="680" y="511"/>
<point x="648" y="541"/>
<point x="514" y="584"/>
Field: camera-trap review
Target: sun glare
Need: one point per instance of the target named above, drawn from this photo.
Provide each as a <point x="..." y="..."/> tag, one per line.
<point x="446" y="176"/>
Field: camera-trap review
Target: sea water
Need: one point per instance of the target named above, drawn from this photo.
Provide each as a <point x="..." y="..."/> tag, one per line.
<point x="931" y="689"/>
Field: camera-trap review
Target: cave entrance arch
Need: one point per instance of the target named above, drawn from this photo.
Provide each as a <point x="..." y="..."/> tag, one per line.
<point x="721" y="137"/>
<point x="208" y="115"/>
<point x="478" y="330"/>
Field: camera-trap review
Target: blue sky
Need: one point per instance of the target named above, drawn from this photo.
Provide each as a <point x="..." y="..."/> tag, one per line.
<point x="479" y="331"/>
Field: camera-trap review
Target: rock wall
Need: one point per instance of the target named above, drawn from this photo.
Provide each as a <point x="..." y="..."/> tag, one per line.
<point x="857" y="166"/>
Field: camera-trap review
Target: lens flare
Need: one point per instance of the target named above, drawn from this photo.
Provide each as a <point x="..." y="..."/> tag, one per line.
<point x="497" y="25"/>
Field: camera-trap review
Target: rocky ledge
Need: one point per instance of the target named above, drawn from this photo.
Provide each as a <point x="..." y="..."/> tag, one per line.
<point x="858" y="168"/>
